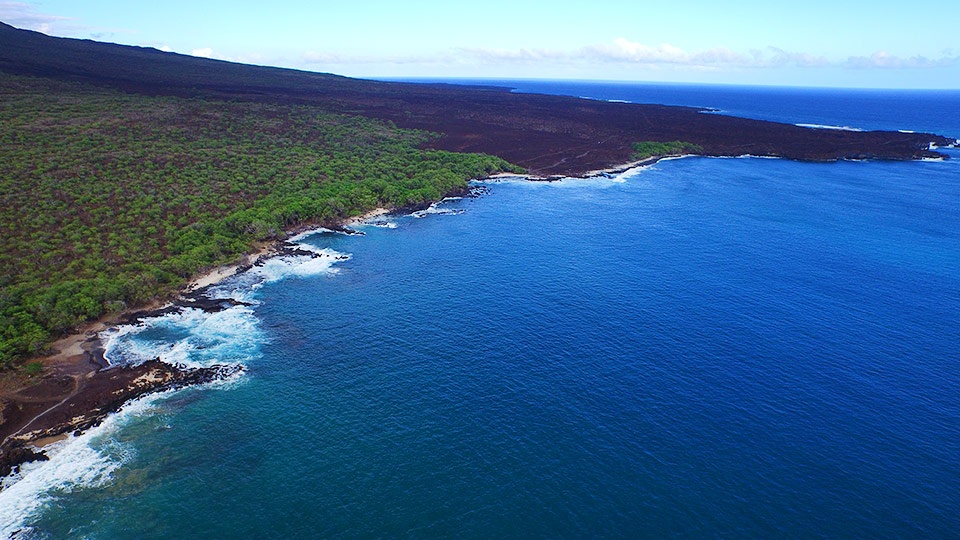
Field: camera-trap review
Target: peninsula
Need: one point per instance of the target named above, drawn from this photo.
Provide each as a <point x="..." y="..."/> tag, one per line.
<point x="128" y="171"/>
<point x="547" y="135"/>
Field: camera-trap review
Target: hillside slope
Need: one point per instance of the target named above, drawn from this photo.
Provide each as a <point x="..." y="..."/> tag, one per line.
<point x="545" y="134"/>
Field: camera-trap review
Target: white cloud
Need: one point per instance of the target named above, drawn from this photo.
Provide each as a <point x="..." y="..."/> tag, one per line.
<point x="624" y="50"/>
<point x="205" y="52"/>
<point x="885" y="60"/>
<point x="513" y="55"/>
<point x="325" y="58"/>
<point x="25" y="16"/>
<point x="718" y="55"/>
<point x="780" y="57"/>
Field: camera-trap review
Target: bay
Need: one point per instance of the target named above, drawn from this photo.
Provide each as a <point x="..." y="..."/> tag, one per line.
<point x="737" y="347"/>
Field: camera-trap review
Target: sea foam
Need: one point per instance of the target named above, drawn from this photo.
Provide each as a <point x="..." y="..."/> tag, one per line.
<point x="822" y="126"/>
<point x="194" y="338"/>
<point x="78" y="462"/>
<point x="190" y="337"/>
<point x="437" y="208"/>
<point x="381" y="222"/>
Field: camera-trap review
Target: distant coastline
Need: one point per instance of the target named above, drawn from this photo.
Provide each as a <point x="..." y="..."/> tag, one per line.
<point x="552" y="137"/>
<point x="548" y="135"/>
<point x="81" y="379"/>
<point x="80" y="357"/>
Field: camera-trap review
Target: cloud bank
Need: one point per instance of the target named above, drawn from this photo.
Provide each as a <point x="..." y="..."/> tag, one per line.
<point x="25" y="16"/>
<point x="885" y="60"/>
<point x="624" y="52"/>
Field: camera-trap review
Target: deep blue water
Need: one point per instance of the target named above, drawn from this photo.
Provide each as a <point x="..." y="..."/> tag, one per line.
<point x="707" y="347"/>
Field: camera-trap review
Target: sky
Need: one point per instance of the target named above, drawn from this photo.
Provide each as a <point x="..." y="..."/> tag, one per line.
<point x="864" y="44"/>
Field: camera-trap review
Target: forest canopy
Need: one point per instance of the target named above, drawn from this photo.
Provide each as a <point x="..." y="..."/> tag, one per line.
<point x="110" y="199"/>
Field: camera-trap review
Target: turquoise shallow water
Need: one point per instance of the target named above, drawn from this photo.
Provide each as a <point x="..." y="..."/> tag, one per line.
<point x="738" y="347"/>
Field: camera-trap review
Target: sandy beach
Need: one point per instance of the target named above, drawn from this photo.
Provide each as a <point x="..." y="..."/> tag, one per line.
<point x="220" y="273"/>
<point x="375" y="213"/>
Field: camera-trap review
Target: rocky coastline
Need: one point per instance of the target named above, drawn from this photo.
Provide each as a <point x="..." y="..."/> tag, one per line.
<point x="90" y="401"/>
<point x="552" y="137"/>
<point x="80" y="388"/>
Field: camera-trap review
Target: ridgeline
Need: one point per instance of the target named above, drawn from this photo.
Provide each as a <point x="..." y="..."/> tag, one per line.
<point x="126" y="170"/>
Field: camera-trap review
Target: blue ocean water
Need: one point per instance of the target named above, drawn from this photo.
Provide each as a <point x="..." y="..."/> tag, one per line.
<point x="705" y="347"/>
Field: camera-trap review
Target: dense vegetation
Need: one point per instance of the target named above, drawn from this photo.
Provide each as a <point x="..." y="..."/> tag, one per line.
<point x="110" y="199"/>
<point x="647" y="149"/>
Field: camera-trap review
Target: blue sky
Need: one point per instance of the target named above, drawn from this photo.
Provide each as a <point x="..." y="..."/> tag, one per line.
<point x="876" y="44"/>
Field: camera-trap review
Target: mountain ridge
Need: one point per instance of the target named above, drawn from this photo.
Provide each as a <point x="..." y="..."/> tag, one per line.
<point x="549" y="135"/>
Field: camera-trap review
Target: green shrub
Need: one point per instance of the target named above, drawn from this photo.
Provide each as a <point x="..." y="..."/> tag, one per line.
<point x="33" y="368"/>
<point x="648" y="149"/>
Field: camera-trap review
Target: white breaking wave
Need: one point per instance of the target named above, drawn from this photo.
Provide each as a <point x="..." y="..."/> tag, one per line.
<point x="381" y="222"/>
<point x="244" y="286"/>
<point x="195" y="338"/>
<point x="821" y="126"/>
<point x="299" y="238"/>
<point x="190" y="337"/>
<point x="602" y="179"/>
<point x="279" y="268"/>
<point x="745" y="156"/>
<point x="87" y="461"/>
<point x="437" y="209"/>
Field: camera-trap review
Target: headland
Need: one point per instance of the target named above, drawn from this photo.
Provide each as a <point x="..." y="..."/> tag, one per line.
<point x="549" y="136"/>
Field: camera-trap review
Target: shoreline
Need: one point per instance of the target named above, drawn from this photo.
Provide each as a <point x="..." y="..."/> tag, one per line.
<point x="79" y="388"/>
<point x="79" y="366"/>
<point x="78" y="373"/>
<point x="608" y="172"/>
<point x="79" y="358"/>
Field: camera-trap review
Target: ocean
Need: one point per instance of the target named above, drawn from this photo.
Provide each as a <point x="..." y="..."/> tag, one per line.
<point x="704" y="347"/>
